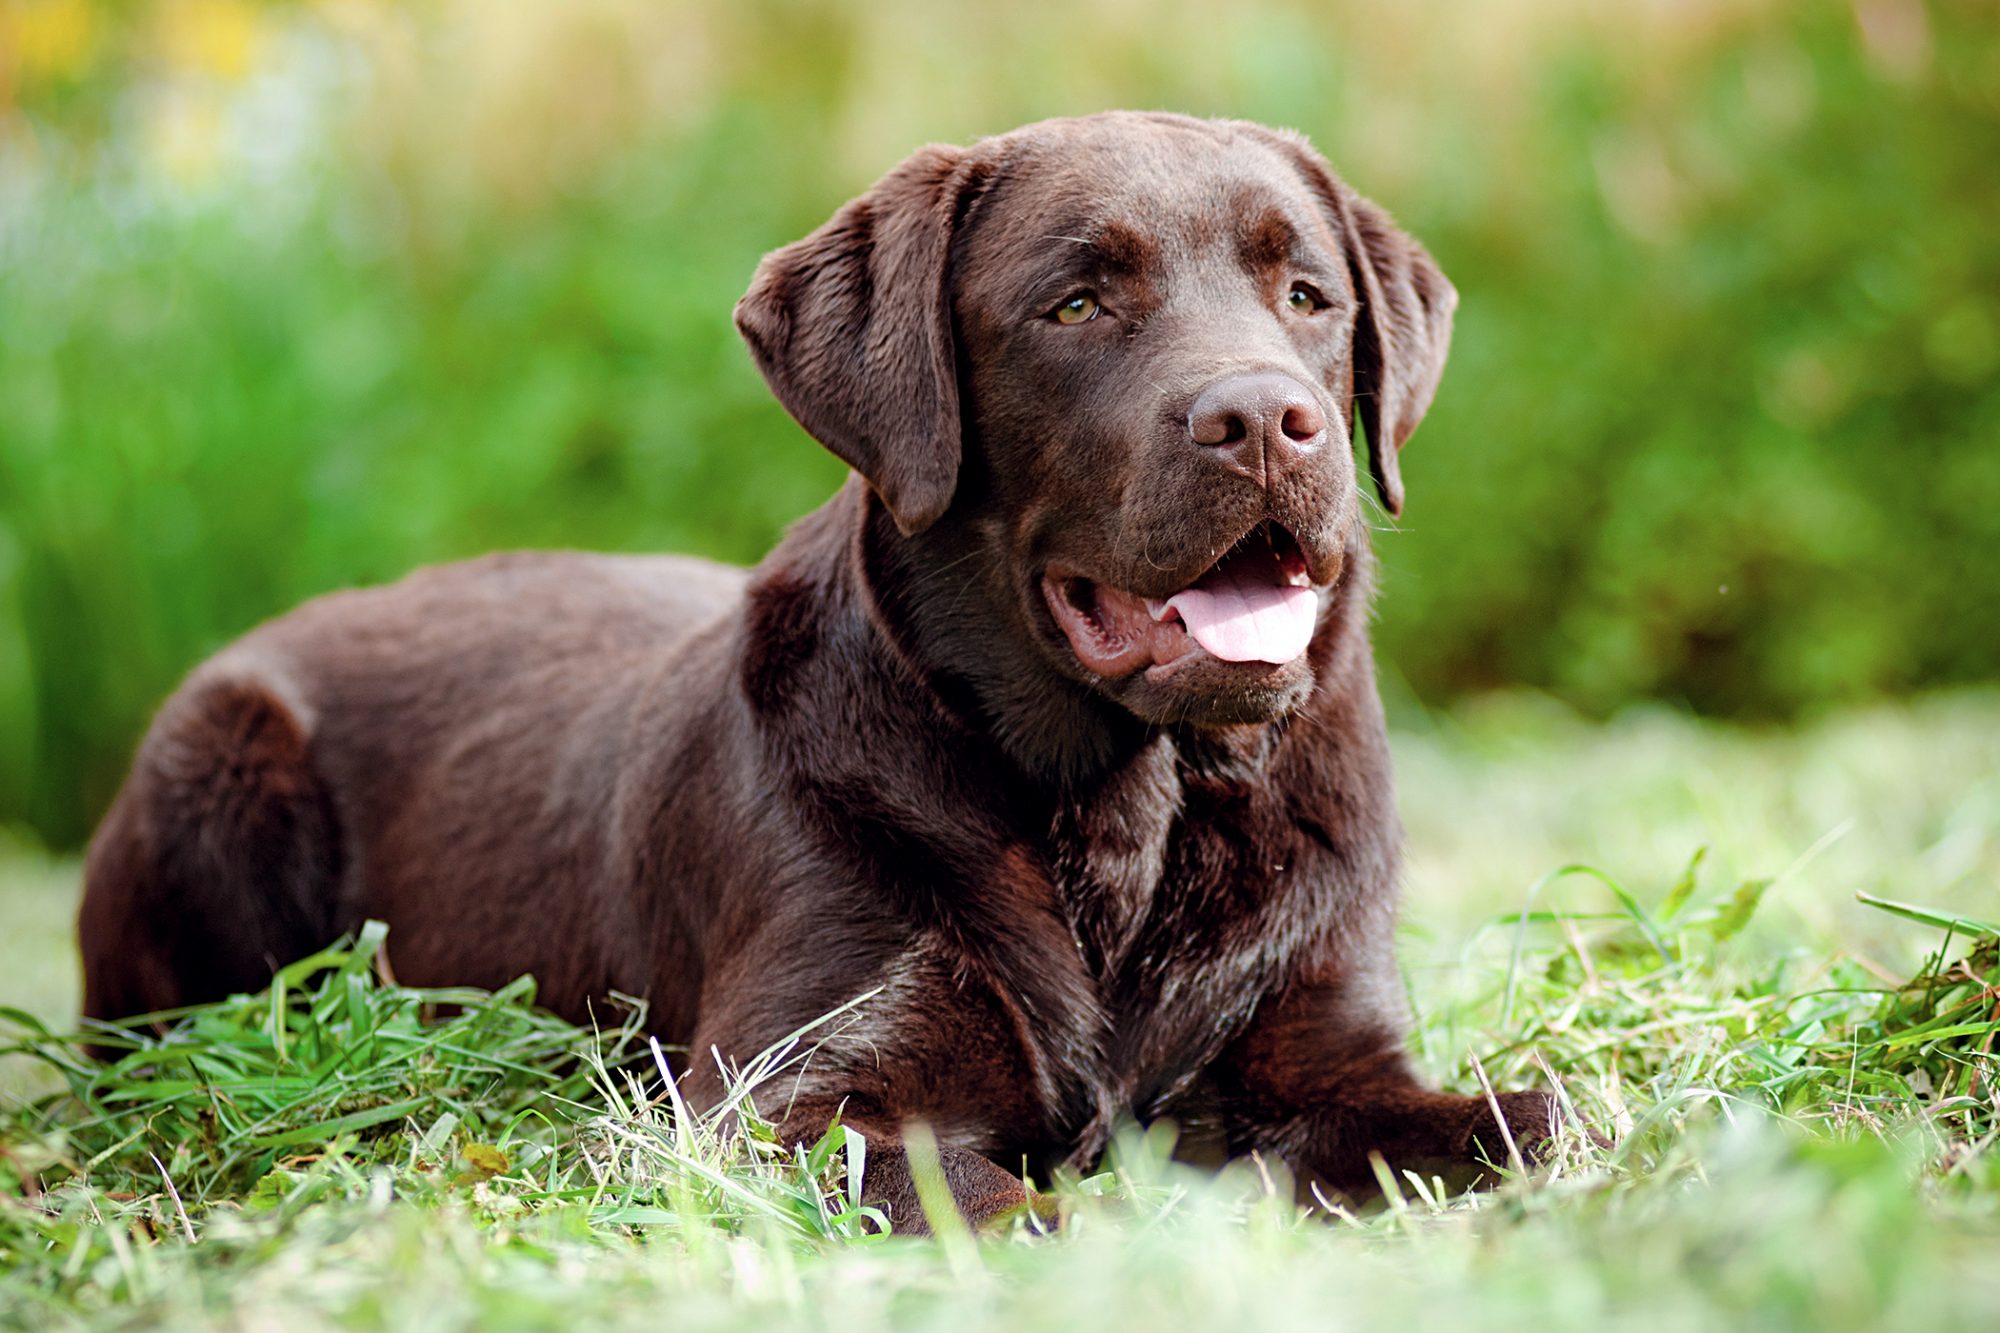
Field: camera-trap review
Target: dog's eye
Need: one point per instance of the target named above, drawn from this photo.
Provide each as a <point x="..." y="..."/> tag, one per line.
<point x="1304" y="299"/>
<point x="1078" y="309"/>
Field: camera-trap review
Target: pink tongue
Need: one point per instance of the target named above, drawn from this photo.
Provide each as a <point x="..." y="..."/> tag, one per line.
<point x="1246" y="619"/>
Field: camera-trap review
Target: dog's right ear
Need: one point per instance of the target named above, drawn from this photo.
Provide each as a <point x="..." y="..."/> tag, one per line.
<point x="852" y="329"/>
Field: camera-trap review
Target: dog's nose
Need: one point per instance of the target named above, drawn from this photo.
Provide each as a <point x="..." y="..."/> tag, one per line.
<point x="1257" y="425"/>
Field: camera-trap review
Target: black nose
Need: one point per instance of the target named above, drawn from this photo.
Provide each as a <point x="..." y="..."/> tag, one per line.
<point x="1257" y="425"/>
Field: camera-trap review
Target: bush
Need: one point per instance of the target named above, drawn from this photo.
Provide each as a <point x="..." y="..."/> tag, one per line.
<point x="1717" y="427"/>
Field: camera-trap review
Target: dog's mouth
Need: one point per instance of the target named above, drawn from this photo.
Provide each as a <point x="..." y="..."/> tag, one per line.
<point x="1257" y="603"/>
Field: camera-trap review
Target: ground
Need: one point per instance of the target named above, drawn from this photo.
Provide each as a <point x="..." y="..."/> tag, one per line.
<point x="1803" y="1140"/>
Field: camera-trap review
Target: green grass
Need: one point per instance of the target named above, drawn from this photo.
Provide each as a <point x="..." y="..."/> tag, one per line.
<point x="1802" y="1086"/>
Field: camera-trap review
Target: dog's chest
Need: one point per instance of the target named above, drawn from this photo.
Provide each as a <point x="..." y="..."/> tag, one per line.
<point x="1108" y="855"/>
<point x="1164" y="883"/>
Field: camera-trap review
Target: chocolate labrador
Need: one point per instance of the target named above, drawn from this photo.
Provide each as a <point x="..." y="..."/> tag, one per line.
<point x="1056" y="727"/>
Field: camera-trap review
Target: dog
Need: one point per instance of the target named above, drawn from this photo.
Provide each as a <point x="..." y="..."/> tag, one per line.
<point x="1056" y="727"/>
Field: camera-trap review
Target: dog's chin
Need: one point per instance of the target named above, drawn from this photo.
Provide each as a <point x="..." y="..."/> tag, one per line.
<point x="1203" y="691"/>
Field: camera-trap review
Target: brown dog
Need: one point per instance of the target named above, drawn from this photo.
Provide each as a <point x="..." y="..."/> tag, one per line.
<point x="1058" y="723"/>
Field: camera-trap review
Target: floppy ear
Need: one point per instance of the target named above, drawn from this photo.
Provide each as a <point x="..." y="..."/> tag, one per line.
<point x="1403" y="329"/>
<point x="1401" y="336"/>
<point x="852" y="329"/>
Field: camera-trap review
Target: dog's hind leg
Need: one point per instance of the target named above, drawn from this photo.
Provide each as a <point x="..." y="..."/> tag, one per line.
<point x="219" y="860"/>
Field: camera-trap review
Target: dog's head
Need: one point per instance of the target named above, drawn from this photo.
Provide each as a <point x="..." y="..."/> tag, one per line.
<point x="1121" y="356"/>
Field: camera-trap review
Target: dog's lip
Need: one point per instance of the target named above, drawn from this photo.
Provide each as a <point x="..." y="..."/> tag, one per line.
<point x="1115" y="632"/>
<point x="1112" y="633"/>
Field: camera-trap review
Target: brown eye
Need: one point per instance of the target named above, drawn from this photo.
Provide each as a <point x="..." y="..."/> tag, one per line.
<point x="1304" y="299"/>
<point x="1077" y="310"/>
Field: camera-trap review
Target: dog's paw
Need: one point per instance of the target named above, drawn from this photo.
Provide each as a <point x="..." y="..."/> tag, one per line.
<point x="1535" y="1120"/>
<point x="1531" y="1121"/>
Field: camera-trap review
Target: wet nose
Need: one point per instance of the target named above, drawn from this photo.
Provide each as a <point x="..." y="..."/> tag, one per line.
<point x="1257" y="425"/>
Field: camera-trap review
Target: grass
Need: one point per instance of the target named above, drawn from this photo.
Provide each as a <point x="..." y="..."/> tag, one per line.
<point x="1802" y="1086"/>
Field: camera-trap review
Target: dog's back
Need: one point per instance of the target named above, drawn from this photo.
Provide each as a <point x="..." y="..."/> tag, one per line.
<point x="233" y="847"/>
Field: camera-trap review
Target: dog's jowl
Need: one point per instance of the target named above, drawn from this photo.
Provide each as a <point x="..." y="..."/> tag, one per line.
<point x="1056" y="726"/>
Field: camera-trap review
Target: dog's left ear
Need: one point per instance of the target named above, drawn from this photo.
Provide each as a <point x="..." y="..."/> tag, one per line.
<point x="1403" y="329"/>
<point x="852" y="329"/>
<point x="1401" y="336"/>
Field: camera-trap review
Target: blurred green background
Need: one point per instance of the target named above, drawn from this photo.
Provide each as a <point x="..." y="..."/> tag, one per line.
<point x="297" y="295"/>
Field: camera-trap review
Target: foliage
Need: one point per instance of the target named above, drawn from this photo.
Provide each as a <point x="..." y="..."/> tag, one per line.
<point x="294" y="296"/>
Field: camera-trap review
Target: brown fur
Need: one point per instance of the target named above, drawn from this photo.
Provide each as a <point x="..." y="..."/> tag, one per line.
<point x="873" y="761"/>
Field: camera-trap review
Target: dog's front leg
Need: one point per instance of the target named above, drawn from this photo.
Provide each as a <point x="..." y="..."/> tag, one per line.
<point x="1321" y="1079"/>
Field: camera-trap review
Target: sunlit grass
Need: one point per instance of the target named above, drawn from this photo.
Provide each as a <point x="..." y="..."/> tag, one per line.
<point x="1805" y="1138"/>
<point x="303" y="1155"/>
